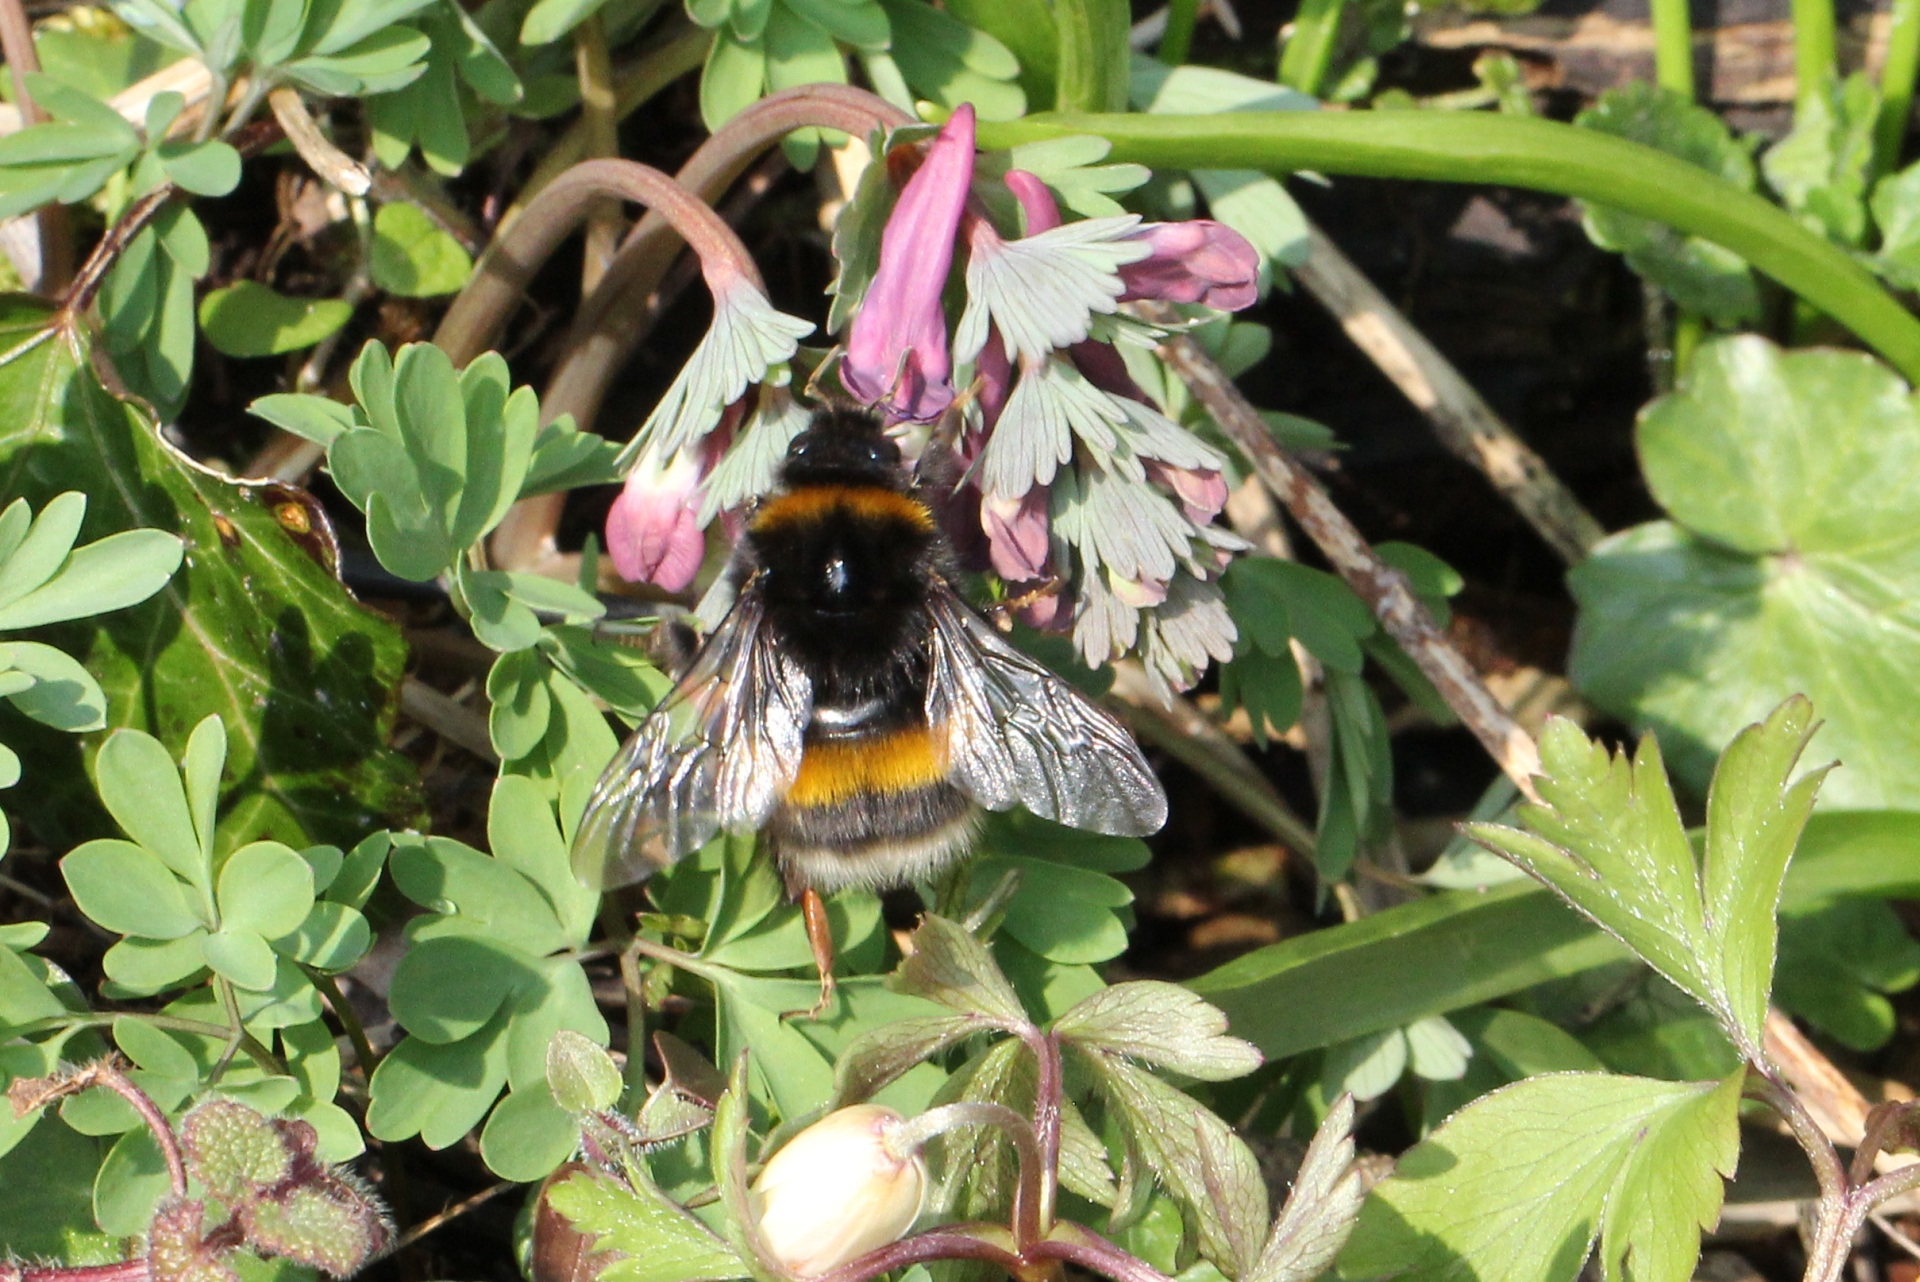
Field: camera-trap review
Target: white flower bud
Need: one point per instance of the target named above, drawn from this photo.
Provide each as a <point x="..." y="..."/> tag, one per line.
<point x="837" y="1190"/>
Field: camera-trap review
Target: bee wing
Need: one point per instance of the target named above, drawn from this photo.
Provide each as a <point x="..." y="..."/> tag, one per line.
<point x="719" y="752"/>
<point x="1016" y="734"/>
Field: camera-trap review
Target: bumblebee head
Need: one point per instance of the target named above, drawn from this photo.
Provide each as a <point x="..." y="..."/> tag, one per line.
<point x="843" y="447"/>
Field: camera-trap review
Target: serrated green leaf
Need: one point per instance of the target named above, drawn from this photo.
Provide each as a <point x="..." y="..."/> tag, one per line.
<point x="1321" y="1207"/>
<point x="657" y="1241"/>
<point x="1607" y="835"/>
<point x="1518" y="1185"/>
<point x="1162" y="1024"/>
<point x="950" y="966"/>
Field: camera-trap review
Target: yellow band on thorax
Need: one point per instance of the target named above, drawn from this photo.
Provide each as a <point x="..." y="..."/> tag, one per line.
<point x="811" y="502"/>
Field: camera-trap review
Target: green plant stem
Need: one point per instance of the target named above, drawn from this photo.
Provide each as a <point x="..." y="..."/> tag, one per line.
<point x="1815" y="50"/>
<point x="1093" y="54"/>
<point x="1510" y="151"/>
<point x="256" y="1052"/>
<point x="1673" y="47"/>
<point x="1897" y="75"/>
<point x="1177" y="41"/>
<point x="599" y="113"/>
<point x="369" y="1059"/>
<point x="1309" y="51"/>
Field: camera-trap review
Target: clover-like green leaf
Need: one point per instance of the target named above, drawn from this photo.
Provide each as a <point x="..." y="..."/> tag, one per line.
<point x="413" y="257"/>
<point x="129" y="890"/>
<point x="1518" y="1185"/>
<point x="247" y="318"/>
<point x="1775" y="559"/>
<point x="266" y="888"/>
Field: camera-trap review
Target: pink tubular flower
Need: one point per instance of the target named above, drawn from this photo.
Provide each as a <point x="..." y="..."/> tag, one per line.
<point x="653" y="530"/>
<point x="1198" y="261"/>
<point x="1202" y="491"/>
<point x="1017" y="539"/>
<point x="897" y="356"/>
<point x="1036" y="202"/>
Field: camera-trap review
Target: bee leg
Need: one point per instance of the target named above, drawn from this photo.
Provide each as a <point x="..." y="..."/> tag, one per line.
<point x="820" y="936"/>
<point x="1003" y="612"/>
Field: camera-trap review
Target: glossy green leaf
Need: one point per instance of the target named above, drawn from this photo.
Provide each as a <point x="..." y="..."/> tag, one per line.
<point x="1775" y="560"/>
<point x="255" y="626"/>
<point x="1379" y="972"/>
<point x="1517" y="1186"/>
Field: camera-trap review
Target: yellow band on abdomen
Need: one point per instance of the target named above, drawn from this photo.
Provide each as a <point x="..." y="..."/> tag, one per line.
<point x="835" y="771"/>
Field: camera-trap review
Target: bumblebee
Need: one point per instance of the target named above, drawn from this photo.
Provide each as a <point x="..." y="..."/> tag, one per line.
<point x="853" y="705"/>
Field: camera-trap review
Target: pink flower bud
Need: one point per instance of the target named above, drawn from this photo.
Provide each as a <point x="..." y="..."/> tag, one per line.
<point x="1197" y="261"/>
<point x="653" y="530"/>
<point x="897" y="355"/>
<point x="838" y="1190"/>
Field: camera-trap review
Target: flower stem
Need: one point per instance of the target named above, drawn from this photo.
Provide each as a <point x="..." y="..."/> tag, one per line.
<point x="1897" y="75"/>
<point x="500" y="281"/>
<point x="1309" y="52"/>
<point x="1815" y="56"/>
<point x="1484" y="147"/>
<point x="909" y="1136"/>
<point x="1383" y="588"/>
<point x="1673" y="47"/>
<point x="1083" y="1247"/>
<point x="603" y="332"/>
<point x="1177" y="41"/>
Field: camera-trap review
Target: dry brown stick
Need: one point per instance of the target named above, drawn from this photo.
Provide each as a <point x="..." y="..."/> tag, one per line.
<point x="1384" y="589"/>
<point x="1461" y="417"/>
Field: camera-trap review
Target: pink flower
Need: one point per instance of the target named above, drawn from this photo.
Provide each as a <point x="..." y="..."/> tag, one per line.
<point x="653" y="530"/>
<point x="897" y="355"/>
<point x="1198" y="261"/>
<point x="1202" y="491"/>
<point x="1017" y="538"/>
<point x="1036" y="202"/>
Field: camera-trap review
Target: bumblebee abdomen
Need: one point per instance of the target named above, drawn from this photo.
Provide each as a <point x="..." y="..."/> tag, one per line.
<point x="872" y="810"/>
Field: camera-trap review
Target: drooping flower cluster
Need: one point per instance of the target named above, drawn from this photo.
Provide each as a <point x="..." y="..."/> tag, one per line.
<point x="1094" y="506"/>
<point x="1087" y="493"/>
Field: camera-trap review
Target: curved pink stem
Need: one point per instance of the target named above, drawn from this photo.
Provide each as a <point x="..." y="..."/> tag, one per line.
<point x="475" y="319"/>
<point x="603" y="333"/>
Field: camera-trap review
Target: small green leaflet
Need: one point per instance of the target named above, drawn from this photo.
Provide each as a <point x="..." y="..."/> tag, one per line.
<point x="656" y="1240"/>
<point x="1517" y="1186"/>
